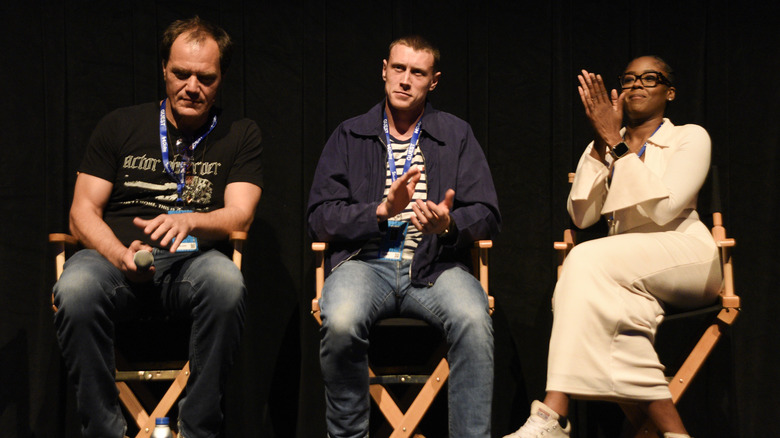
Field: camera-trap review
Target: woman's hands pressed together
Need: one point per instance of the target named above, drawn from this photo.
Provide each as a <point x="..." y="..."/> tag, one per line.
<point x="604" y="110"/>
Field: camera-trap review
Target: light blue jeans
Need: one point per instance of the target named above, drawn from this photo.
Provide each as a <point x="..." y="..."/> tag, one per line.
<point x="360" y="292"/>
<point x="92" y="294"/>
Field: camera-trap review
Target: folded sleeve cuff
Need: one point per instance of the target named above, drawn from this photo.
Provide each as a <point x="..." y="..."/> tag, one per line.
<point x="591" y="173"/>
<point x="632" y="184"/>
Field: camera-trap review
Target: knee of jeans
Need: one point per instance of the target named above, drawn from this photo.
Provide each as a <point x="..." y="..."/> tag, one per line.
<point x="228" y="300"/>
<point x="473" y="320"/>
<point x="341" y="323"/>
<point x="224" y="288"/>
<point x="469" y="316"/>
<point x="78" y="294"/>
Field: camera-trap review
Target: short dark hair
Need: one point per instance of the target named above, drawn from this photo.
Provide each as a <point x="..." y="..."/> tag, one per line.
<point x="198" y="30"/>
<point x="418" y="43"/>
<point x="666" y="69"/>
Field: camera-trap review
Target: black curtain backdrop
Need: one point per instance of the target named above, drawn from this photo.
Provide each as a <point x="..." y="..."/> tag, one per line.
<point x="300" y="68"/>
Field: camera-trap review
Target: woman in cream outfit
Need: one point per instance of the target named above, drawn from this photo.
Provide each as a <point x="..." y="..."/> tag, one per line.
<point x="609" y="299"/>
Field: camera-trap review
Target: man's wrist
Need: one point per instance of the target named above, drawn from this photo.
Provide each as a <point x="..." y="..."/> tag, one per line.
<point x="381" y="212"/>
<point x="450" y="229"/>
<point x="116" y="256"/>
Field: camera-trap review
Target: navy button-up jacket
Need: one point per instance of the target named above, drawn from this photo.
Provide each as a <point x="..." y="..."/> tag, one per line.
<point x="349" y="184"/>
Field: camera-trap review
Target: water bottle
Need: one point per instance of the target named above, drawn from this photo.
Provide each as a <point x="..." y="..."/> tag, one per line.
<point x="162" y="428"/>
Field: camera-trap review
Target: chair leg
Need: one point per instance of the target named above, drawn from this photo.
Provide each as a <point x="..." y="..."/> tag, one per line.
<point x="405" y="423"/>
<point x="131" y="403"/>
<point x="170" y="397"/>
<point x="700" y="352"/>
<point x="143" y="420"/>
<point x="423" y="401"/>
<point x="385" y="402"/>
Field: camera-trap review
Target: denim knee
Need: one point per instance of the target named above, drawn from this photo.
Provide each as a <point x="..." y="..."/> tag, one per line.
<point x="466" y="304"/>
<point x="349" y="298"/>
<point x="88" y="282"/>
<point x="341" y="320"/>
<point x="352" y="295"/>
<point x="475" y="321"/>
<point x="218" y="282"/>
<point x="341" y="330"/>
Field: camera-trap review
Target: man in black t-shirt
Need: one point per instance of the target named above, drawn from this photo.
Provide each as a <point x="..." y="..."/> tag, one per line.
<point x="174" y="178"/>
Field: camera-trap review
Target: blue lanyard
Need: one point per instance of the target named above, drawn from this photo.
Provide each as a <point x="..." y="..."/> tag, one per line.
<point x="642" y="149"/>
<point x="644" y="146"/>
<point x="409" y="152"/>
<point x="180" y="179"/>
<point x="639" y="154"/>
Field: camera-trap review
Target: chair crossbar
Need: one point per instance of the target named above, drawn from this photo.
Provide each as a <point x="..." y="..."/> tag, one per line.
<point x="673" y="316"/>
<point x="393" y="379"/>
<point x="146" y="375"/>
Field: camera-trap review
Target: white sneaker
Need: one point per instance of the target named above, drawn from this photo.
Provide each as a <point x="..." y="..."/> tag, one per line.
<point x="543" y="422"/>
<point x="676" y="435"/>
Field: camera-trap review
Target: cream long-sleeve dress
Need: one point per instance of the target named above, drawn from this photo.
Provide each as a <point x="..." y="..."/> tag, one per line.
<point x="606" y="304"/>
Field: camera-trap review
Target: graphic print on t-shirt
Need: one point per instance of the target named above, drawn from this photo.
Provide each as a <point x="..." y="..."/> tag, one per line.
<point x="147" y="174"/>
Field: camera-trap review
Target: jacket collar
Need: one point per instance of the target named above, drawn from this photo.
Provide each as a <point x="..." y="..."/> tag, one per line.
<point x="662" y="138"/>
<point x="370" y="123"/>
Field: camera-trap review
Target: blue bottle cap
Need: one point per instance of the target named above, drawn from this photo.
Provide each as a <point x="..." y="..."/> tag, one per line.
<point x="162" y="421"/>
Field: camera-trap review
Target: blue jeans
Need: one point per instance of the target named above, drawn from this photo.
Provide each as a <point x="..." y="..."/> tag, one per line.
<point x="360" y="292"/>
<point x="92" y="294"/>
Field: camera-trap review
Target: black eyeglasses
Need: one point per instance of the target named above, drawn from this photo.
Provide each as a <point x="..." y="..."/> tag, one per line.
<point x="648" y="79"/>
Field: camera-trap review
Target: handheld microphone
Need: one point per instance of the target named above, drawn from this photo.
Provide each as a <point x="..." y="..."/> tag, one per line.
<point x="143" y="259"/>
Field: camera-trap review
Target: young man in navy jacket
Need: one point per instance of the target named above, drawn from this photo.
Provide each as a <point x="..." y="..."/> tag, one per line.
<point x="400" y="194"/>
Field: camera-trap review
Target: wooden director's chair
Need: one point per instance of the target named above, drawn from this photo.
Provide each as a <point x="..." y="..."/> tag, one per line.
<point x="725" y="313"/>
<point x="404" y="424"/>
<point x="175" y="372"/>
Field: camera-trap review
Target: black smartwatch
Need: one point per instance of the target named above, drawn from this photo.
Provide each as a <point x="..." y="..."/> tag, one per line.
<point x="619" y="151"/>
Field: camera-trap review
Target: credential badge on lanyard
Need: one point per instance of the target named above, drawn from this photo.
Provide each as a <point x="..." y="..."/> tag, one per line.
<point x="189" y="243"/>
<point x="392" y="245"/>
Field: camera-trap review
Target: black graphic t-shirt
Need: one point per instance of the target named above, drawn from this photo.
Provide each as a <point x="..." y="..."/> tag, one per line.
<point x="125" y="150"/>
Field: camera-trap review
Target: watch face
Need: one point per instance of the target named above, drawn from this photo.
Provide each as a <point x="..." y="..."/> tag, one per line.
<point x="620" y="149"/>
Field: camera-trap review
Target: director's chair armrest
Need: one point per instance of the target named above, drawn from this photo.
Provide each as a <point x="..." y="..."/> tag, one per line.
<point x="479" y="254"/>
<point x="319" y="249"/>
<point x="729" y="298"/>
<point x="62" y="243"/>
<point x="563" y="247"/>
<point x="238" y="238"/>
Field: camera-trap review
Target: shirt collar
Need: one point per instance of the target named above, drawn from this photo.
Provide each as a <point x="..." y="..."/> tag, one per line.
<point x="371" y="123"/>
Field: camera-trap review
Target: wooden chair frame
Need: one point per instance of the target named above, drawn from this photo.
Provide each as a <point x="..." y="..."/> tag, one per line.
<point x="63" y="244"/>
<point x="727" y="314"/>
<point x="404" y="424"/>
